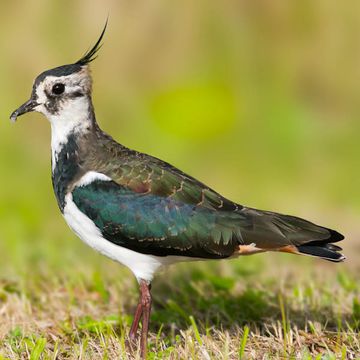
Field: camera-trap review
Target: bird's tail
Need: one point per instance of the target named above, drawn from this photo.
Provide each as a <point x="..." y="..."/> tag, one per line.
<point x="276" y="232"/>
<point x="324" y="249"/>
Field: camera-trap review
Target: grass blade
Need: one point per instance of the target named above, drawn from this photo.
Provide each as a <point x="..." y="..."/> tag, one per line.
<point x="38" y="349"/>
<point x="243" y="342"/>
<point x="196" y="330"/>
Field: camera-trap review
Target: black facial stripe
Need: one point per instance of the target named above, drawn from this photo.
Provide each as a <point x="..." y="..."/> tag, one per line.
<point x="49" y="95"/>
<point x="52" y="105"/>
<point x="76" y="94"/>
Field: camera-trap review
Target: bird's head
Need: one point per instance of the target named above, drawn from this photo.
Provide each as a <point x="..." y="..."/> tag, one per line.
<point x="63" y="91"/>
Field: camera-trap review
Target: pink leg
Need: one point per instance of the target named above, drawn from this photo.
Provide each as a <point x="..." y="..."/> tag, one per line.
<point x="143" y="310"/>
<point x="135" y="324"/>
<point x="146" y="303"/>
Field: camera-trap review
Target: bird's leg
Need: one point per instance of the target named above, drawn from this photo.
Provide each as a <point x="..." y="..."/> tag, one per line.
<point x="135" y="323"/>
<point x="145" y="297"/>
<point x="143" y="309"/>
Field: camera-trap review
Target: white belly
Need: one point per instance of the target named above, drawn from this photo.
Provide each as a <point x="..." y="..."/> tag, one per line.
<point x="143" y="266"/>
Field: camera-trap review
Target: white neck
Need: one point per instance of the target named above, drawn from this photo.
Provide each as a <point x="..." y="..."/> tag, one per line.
<point x="73" y="119"/>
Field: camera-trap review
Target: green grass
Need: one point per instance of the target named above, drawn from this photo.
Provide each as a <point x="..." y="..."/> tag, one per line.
<point x="265" y="312"/>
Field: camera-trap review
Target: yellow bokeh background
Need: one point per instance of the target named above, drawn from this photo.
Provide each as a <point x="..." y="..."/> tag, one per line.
<point x="258" y="99"/>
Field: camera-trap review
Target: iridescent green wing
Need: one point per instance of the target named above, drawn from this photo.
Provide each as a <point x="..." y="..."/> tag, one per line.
<point x="153" y="208"/>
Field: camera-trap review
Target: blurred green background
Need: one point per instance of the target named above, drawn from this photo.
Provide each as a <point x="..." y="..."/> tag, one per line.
<point x="258" y="99"/>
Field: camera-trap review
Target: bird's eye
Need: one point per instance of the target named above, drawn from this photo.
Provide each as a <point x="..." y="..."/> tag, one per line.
<point x="58" y="89"/>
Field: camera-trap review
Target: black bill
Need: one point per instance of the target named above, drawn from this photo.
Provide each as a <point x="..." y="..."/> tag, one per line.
<point x="23" y="109"/>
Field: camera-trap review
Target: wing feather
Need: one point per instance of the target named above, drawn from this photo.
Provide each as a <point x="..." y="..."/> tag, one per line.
<point x="157" y="225"/>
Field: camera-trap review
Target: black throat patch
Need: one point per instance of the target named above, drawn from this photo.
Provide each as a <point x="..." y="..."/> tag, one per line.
<point x="66" y="169"/>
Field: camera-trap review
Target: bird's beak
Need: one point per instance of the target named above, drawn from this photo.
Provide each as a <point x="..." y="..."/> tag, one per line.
<point x="23" y="109"/>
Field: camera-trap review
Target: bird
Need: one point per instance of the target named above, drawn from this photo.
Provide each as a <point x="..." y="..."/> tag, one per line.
<point x="141" y="211"/>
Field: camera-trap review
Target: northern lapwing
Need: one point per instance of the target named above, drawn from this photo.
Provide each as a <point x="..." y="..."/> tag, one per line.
<point x="141" y="211"/>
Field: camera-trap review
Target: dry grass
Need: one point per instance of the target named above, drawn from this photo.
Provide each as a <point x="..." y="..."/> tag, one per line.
<point x="204" y="311"/>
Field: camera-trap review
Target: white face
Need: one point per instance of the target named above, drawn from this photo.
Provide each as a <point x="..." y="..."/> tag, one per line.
<point x="58" y="92"/>
<point x="58" y="96"/>
<point x="63" y="95"/>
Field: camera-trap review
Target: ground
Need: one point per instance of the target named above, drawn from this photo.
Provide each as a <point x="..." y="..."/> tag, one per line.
<point x="269" y="306"/>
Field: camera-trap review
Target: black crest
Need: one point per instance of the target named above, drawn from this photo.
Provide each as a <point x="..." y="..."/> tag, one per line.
<point x="92" y="54"/>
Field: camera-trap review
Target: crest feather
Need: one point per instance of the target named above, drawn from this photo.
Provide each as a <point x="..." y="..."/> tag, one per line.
<point x="91" y="55"/>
